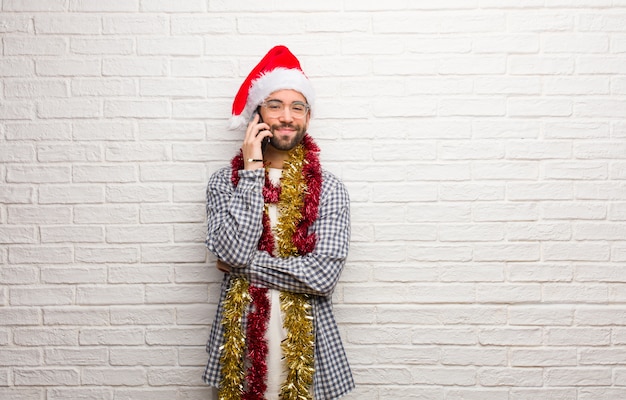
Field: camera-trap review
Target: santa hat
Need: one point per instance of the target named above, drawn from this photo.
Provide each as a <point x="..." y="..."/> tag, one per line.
<point x="278" y="70"/>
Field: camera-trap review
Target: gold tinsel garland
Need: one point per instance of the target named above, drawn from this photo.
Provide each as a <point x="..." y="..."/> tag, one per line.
<point x="232" y="360"/>
<point x="298" y="347"/>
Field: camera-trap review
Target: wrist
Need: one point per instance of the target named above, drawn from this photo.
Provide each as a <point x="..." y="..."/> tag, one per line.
<point x="253" y="163"/>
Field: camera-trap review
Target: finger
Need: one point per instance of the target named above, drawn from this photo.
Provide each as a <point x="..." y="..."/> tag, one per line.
<point x="255" y="119"/>
<point x="251" y="125"/>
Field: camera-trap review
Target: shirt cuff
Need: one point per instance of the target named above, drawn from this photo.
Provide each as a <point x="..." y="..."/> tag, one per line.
<point x="251" y="180"/>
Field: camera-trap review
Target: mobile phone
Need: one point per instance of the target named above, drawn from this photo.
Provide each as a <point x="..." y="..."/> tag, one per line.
<point x="265" y="141"/>
<point x="264" y="144"/>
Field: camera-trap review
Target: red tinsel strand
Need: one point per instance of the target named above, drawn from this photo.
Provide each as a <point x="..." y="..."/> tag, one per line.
<point x="236" y="165"/>
<point x="266" y="243"/>
<point x="309" y="144"/>
<point x="304" y="242"/>
<point x="257" y="344"/>
<point x="271" y="193"/>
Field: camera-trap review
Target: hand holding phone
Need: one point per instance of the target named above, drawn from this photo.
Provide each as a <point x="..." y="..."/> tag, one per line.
<point x="266" y="140"/>
<point x="257" y="137"/>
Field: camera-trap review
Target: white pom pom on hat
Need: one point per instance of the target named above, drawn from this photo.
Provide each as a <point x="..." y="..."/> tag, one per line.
<point x="278" y="70"/>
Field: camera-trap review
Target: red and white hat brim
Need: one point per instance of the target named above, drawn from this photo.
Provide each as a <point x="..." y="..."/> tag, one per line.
<point x="268" y="83"/>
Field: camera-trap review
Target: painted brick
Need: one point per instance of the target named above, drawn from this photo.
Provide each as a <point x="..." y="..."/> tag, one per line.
<point x="191" y="253"/>
<point x="142" y="316"/>
<point x="151" y="214"/>
<point x="202" y="24"/>
<point x="97" y="130"/>
<point x="16" y="194"/>
<point x="458" y="376"/>
<point x="181" y="336"/>
<point x="136" y="109"/>
<point x="166" y="294"/>
<point x="82" y="356"/>
<point x="62" y="194"/>
<point x="123" y="393"/>
<point x="163" y="130"/>
<point x="65" y="24"/>
<point x="131" y="193"/>
<point x="131" y="67"/>
<point x="509" y="294"/>
<point x="17" y="235"/>
<point x="20" y="357"/>
<point x="173" y="5"/>
<point x="114" y="376"/>
<point x="510" y="336"/>
<point x="473" y="356"/>
<point x="134" y="24"/>
<point x="19" y="275"/>
<point x="110" y="6"/>
<point x="68" y="109"/>
<point x="109" y="294"/>
<point x="531" y="65"/>
<point x="80" y="393"/>
<point x="41" y="255"/>
<point x="104" y="173"/>
<point x="71" y="233"/>
<point x="572" y="376"/>
<point x="16" y="110"/>
<point x="538" y="231"/>
<point x="540" y="191"/>
<point x="110" y="254"/>
<point x="519" y="377"/>
<point x="174" y="46"/>
<point x="136" y="274"/>
<point x="103" y="87"/>
<point x="38" y="296"/>
<point x="68" y="68"/>
<point x="111" y="337"/>
<point x="57" y="131"/>
<point x="65" y="275"/>
<point x="132" y="356"/>
<point x="101" y="46"/>
<point x="98" y="214"/>
<point x="37" y="5"/>
<point x="25" y="46"/>
<point x="35" y="89"/>
<point x="13" y="24"/>
<point x="136" y="152"/>
<point x="46" y="377"/>
<point x="17" y="67"/>
<point x="472" y="394"/>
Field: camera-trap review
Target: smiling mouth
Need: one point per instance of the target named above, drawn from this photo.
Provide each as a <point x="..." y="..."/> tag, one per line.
<point x="284" y="128"/>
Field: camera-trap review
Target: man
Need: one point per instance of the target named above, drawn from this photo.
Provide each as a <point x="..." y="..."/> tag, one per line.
<point x="279" y="226"/>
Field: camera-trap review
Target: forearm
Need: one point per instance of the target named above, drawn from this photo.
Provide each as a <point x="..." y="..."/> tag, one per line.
<point x="315" y="273"/>
<point x="311" y="274"/>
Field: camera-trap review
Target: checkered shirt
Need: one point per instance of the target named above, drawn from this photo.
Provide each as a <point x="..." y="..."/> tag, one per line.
<point x="234" y="228"/>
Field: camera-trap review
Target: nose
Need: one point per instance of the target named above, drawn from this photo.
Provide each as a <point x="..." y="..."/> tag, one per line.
<point x="285" y="115"/>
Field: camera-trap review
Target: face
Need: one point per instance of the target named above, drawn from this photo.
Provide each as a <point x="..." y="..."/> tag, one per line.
<point x="288" y="130"/>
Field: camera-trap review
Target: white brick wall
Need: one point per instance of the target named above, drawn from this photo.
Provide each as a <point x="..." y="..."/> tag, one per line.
<point x="482" y="142"/>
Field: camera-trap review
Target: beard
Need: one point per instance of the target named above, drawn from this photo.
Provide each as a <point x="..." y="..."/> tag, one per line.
<point x="284" y="144"/>
<point x="287" y="144"/>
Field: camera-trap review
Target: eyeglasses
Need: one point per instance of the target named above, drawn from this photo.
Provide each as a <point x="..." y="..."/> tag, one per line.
<point x="276" y="108"/>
